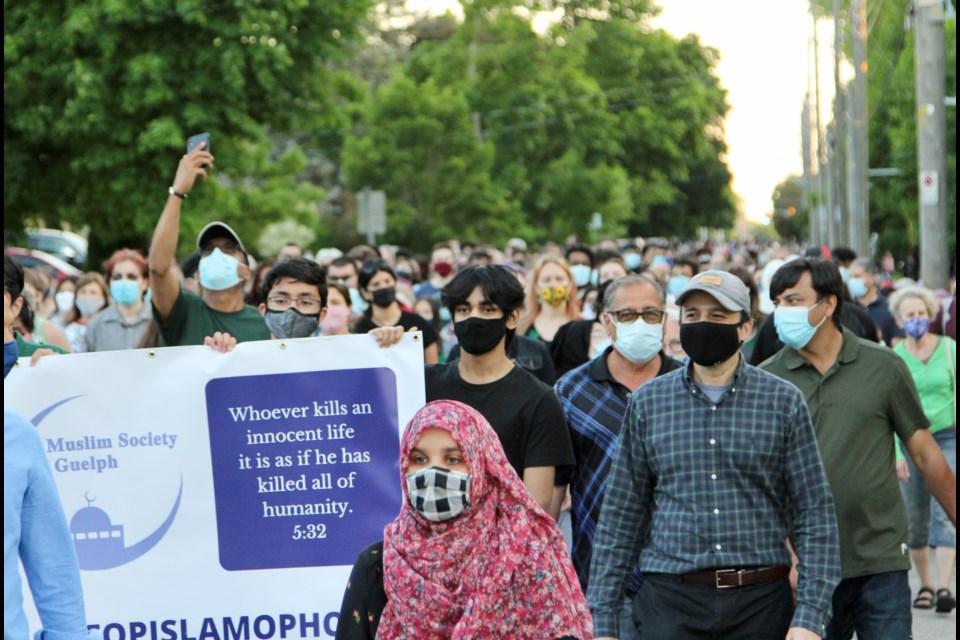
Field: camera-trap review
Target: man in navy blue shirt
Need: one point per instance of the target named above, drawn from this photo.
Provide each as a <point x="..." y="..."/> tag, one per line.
<point x="594" y="399"/>
<point x="717" y="466"/>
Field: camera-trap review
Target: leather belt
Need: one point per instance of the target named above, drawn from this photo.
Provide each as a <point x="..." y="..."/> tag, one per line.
<point x="729" y="578"/>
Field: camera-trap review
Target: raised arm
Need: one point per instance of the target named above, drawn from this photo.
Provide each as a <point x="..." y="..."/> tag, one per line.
<point x="163" y="281"/>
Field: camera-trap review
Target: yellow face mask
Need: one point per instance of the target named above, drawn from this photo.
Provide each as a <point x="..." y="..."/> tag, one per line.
<point x="555" y="295"/>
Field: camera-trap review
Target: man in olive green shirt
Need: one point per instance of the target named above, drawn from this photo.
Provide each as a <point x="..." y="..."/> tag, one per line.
<point x="184" y="318"/>
<point x="859" y="394"/>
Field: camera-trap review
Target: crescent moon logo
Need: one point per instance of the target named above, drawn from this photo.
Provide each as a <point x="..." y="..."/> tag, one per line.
<point x="100" y="543"/>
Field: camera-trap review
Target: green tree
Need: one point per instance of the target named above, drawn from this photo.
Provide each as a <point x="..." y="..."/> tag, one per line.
<point x="791" y="214"/>
<point x="100" y="96"/>
<point x="894" y="208"/>
<point x="417" y="144"/>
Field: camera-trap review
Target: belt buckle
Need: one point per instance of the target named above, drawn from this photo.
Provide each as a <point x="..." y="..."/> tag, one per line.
<point x="717" y="578"/>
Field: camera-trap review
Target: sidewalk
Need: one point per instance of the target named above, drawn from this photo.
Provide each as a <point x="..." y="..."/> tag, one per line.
<point x="929" y="625"/>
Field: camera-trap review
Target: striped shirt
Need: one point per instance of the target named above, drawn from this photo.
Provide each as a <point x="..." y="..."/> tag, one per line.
<point x="594" y="404"/>
<point x="698" y="485"/>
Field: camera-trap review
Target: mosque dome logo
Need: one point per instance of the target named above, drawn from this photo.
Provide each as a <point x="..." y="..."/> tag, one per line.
<point x="99" y="542"/>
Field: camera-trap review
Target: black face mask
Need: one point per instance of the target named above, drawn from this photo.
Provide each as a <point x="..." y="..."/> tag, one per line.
<point x="478" y="336"/>
<point x="385" y="297"/>
<point x="709" y="343"/>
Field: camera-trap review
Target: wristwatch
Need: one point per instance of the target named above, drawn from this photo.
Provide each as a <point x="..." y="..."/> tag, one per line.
<point x="174" y="192"/>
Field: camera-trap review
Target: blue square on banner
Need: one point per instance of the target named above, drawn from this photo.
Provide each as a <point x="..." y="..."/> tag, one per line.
<point x="306" y="468"/>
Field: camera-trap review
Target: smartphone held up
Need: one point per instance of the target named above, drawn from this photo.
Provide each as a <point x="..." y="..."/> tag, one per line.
<point x="195" y="141"/>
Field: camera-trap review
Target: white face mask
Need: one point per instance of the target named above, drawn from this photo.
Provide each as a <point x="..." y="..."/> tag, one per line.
<point x="64" y="301"/>
<point x="638" y="341"/>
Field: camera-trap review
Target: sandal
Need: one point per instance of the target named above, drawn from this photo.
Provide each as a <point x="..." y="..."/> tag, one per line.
<point x="925" y="599"/>
<point x="945" y="601"/>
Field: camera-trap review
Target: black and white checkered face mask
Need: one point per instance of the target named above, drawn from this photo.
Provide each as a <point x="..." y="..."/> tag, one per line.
<point x="439" y="494"/>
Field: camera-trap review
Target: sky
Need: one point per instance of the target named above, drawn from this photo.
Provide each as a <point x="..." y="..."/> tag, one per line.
<point x="763" y="49"/>
<point x="764" y="46"/>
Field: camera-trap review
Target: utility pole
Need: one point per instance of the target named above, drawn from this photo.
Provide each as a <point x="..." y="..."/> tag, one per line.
<point x="839" y="160"/>
<point x="931" y="140"/>
<point x="859" y="203"/>
<point x="822" y="210"/>
<point x="808" y="199"/>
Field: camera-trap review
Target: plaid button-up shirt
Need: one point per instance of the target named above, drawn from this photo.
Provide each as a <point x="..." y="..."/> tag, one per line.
<point x="594" y="404"/>
<point x="699" y="485"/>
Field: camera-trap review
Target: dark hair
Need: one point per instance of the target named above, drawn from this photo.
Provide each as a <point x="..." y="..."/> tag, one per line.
<point x="257" y="295"/>
<point x="579" y="248"/>
<point x="190" y="265"/>
<point x="498" y="283"/>
<point x="344" y="261"/>
<point x="844" y="255"/>
<point x="372" y="268"/>
<point x="435" y="307"/>
<point x="606" y="255"/>
<point x="12" y="277"/>
<point x="824" y="276"/>
<point x="342" y="289"/>
<point x="687" y="262"/>
<point x="747" y="278"/>
<point x="301" y="270"/>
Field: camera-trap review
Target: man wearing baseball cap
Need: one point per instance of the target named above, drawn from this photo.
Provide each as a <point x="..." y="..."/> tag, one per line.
<point x="184" y="318"/>
<point x="717" y="467"/>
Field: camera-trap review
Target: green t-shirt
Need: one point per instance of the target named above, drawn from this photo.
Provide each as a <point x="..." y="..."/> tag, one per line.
<point x="26" y="349"/>
<point x="191" y="320"/>
<point x="857" y="407"/>
<point x="934" y="381"/>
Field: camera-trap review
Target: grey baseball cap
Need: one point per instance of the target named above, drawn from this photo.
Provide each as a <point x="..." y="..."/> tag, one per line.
<point x="727" y="288"/>
<point x="217" y="229"/>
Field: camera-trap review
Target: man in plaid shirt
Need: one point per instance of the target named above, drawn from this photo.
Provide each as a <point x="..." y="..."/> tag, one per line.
<point x="594" y="398"/>
<point x="717" y="466"/>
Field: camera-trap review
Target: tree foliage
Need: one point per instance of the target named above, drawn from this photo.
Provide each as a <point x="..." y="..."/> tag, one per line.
<point x="600" y="115"/>
<point x="100" y="96"/>
<point x="894" y="207"/>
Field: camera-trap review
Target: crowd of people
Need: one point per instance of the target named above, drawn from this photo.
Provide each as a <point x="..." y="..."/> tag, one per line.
<point x="738" y="440"/>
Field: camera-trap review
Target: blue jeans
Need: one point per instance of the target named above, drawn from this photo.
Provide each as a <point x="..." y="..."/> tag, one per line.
<point x="929" y="524"/>
<point x="877" y="607"/>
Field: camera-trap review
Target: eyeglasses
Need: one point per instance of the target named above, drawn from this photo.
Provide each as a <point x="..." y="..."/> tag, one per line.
<point x="226" y="247"/>
<point x="306" y="305"/>
<point x="629" y="316"/>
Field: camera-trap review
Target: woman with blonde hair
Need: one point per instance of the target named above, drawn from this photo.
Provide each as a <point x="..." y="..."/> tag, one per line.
<point x="551" y="300"/>
<point x="931" y="360"/>
<point x="92" y="296"/>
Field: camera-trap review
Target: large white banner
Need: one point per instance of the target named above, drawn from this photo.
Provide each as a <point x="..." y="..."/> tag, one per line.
<point x="220" y="495"/>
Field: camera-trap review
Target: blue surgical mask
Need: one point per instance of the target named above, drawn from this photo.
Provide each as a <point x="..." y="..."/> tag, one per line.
<point x="660" y="260"/>
<point x="638" y="341"/>
<point x="844" y="274"/>
<point x="218" y="271"/>
<point x="632" y="260"/>
<point x="357" y="304"/>
<point x="857" y="287"/>
<point x="677" y="284"/>
<point x="588" y="312"/>
<point x="793" y="325"/>
<point x="10" y="356"/>
<point x="125" y="291"/>
<point x="581" y="274"/>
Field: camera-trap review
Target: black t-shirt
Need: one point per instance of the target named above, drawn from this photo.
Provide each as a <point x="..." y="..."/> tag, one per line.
<point x="525" y="413"/>
<point x="407" y="321"/>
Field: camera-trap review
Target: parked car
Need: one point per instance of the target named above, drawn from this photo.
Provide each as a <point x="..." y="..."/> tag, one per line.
<point x="65" y="245"/>
<point x="57" y="268"/>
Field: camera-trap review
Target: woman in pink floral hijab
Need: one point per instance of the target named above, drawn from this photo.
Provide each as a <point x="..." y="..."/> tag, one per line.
<point x="471" y="554"/>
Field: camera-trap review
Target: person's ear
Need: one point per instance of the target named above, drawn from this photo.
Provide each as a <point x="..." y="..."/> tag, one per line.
<point x="243" y="271"/>
<point x="263" y="309"/>
<point x="323" y="314"/>
<point x="745" y="330"/>
<point x="513" y="319"/>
